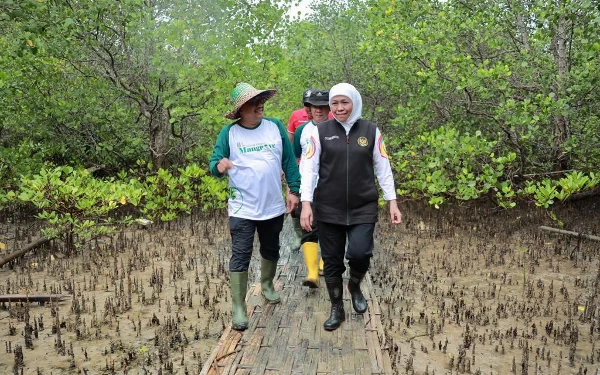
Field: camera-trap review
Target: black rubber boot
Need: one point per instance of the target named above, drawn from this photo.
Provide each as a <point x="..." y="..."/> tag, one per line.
<point x="338" y="315"/>
<point x="359" y="303"/>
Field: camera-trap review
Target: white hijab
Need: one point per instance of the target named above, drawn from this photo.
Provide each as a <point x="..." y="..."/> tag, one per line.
<point x="352" y="93"/>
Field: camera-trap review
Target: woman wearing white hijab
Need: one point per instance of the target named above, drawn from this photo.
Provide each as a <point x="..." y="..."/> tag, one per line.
<point x="349" y="153"/>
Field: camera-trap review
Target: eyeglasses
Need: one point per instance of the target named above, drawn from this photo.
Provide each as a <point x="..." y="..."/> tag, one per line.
<point x="259" y="99"/>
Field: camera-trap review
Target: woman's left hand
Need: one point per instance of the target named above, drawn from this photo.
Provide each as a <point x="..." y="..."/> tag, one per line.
<point x="292" y="202"/>
<point x="395" y="214"/>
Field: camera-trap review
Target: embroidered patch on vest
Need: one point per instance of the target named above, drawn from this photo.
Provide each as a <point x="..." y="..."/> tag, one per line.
<point x="363" y="141"/>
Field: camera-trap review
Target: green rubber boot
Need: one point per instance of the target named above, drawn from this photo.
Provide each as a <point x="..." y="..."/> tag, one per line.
<point x="267" y="274"/>
<point x="239" y="286"/>
<point x="297" y="236"/>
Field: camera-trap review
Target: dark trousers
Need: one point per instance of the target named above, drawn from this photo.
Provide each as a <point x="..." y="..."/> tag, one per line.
<point x="311" y="236"/>
<point x="242" y="240"/>
<point x="332" y="239"/>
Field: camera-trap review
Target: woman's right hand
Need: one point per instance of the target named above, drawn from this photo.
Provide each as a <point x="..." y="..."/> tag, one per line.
<point x="395" y="214"/>
<point x="224" y="165"/>
<point x="306" y="217"/>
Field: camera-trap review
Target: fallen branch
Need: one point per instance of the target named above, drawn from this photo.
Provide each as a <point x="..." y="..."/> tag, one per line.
<point x="568" y="232"/>
<point x="15" y="254"/>
<point x="416" y="336"/>
<point x="544" y="173"/>
<point x="583" y="195"/>
<point x="43" y="298"/>
<point x="40" y="241"/>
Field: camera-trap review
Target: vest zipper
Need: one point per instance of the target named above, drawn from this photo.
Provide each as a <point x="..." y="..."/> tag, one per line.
<point x="347" y="179"/>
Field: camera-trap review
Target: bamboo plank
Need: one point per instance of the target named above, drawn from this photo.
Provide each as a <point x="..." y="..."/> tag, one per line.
<point x="336" y="361"/>
<point x="261" y="362"/>
<point x="374" y="354"/>
<point x="295" y="328"/>
<point x="279" y="350"/>
<point x="289" y="338"/>
<point x="225" y="347"/>
<point x="267" y="314"/>
<point x="311" y="361"/>
<point x="347" y="357"/>
<point x="318" y="320"/>
<point x="375" y="317"/>
<point x="359" y="340"/>
<point x="325" y="348"/>
<point x="307" y="328"/>
<point x="252" y="347"/>
<point x="272" y="327"/>
<point x="286" y="318"/>
<point x="286" y="368"/>
<point x="372" y="295"/>
<point x="232" y="348"/>
<point x="387" y="362"/>
<point x="323" y="303"/>
<point x="291" y="278"/>
<point x="255" y="290"/>
<point x="253" y="318"/>
<point x="300" y="357"/>
<point x="232" y="367"/>
<point x="362" y="362"/>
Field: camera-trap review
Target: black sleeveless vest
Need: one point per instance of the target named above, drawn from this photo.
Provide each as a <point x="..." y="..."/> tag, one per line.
<point x="346" y="192"/>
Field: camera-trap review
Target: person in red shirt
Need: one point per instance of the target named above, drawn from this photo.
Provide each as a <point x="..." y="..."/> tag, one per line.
<point x="299" y="116"/>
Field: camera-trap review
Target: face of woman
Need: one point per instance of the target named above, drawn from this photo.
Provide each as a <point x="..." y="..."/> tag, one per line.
<point x="341" y="107"/>
<point x="319" y="113"/>
<point x="252" y="113"/>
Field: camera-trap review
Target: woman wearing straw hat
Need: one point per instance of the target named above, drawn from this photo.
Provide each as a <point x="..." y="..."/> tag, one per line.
<point x="252" y="151"/>
<point x="348" y="154"/>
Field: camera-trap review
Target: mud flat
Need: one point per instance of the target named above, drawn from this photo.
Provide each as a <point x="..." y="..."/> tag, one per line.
<point x="147" y="301"/>
<point x="467" y="290"/>
<point x="477" y="291"/>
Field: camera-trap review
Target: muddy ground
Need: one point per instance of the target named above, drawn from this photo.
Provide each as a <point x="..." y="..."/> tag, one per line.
<point x="462" y="290"/>
<point x="479" y="291"/>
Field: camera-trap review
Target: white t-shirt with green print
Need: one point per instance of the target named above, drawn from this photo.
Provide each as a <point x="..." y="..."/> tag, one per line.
<point x="258" y="156"/>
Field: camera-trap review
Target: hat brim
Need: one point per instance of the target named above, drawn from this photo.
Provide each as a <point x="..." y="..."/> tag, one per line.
<point x="317" y="103"/>
<point x="268" y="94"/>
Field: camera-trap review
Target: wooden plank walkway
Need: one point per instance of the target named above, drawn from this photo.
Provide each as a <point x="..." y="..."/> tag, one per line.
<point x="288" y="338"/>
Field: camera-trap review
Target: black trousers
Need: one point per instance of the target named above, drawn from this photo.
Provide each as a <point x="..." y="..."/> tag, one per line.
<point x="332" y="239"/>
<point x="311" y="236"/>
<point x="242" y="240"/>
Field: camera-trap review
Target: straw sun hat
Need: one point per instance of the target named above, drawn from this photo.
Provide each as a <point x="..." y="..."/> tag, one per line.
<point x="244" y="92"/>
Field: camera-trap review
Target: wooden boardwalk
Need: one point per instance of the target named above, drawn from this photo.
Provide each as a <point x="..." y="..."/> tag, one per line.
<point x="288" y="338"/>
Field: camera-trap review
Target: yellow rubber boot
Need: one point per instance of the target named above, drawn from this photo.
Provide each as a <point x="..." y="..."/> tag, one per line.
<point x="321" y="267"/>
<point x="311" y="258"/>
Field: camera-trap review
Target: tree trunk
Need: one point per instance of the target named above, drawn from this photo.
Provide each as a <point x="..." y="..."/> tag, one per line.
<point x="561" y="123"/>
<point x="160" y="131"/>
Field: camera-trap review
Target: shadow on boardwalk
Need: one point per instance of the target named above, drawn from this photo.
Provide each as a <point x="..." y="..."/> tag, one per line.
<point x="288" y="338"/>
